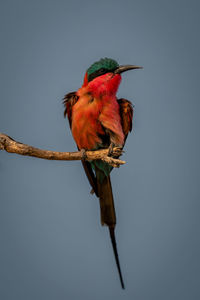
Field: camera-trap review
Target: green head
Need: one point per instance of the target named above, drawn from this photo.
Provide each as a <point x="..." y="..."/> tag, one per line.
<point x="103" y="66"/>
<point x="107" y="65"/>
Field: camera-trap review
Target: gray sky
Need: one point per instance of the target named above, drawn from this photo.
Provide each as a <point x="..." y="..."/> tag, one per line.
<point x="52" y="243"/>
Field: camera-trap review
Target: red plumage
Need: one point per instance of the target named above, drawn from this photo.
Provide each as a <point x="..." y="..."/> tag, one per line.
<point x="96" y="109"/>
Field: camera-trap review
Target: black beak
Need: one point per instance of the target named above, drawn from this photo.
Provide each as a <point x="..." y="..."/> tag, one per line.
<point x="125" y="68"/>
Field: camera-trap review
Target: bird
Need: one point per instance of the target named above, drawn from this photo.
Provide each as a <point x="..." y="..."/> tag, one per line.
<point x="99" y="120"/>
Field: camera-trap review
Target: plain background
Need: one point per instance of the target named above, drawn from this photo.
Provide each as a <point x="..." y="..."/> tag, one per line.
<point x="52" y="245"/>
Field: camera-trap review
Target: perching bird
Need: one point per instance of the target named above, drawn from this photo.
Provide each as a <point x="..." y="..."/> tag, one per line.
<point x="99" y="120"/>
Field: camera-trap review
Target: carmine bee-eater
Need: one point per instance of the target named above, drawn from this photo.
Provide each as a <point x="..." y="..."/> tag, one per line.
<point x="99" y="120"/>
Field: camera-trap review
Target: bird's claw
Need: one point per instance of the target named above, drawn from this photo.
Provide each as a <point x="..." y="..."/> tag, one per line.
<point x="110" y="149"/>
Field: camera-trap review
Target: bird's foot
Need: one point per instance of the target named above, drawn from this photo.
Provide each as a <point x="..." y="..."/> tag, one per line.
<point x="110" y="149"/>
<point x="83" y="154"/>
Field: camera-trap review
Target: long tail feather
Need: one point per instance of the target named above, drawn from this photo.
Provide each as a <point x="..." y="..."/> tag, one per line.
<point x="106" y="200"/>
<point x="108" y="214"/>
<point x="114" y="245"/>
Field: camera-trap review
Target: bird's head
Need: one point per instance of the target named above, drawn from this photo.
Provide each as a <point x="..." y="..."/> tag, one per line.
<point x="106" y="66"/>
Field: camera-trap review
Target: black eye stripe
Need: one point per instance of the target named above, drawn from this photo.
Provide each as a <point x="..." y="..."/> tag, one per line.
<point x="98" y="73"/>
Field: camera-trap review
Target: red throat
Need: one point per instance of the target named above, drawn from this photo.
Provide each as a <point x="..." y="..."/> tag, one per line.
<point x="106" y="84"/>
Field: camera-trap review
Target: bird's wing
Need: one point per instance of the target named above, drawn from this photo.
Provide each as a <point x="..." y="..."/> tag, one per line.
<point x="69" y="100"/>
<point x="126" y="113"/>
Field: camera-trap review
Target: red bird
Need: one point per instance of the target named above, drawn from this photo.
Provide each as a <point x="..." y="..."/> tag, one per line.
<point x="99" y="120"/>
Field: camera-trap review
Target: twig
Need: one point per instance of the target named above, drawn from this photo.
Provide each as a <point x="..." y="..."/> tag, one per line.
<point x="12" y="146"/>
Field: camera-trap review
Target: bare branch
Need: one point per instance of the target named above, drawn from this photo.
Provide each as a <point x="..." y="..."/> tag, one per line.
<point x="12" y="146"/>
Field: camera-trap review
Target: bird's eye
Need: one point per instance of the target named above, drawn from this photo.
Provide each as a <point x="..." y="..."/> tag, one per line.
<point x="97" y="73"/>
<point x="102" y="70"/>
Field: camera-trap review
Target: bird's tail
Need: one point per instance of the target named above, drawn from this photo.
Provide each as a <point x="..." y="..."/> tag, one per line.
<point x="114" y="245"/>
<point x="108" y="216"/>
<point x="106" y="200"/>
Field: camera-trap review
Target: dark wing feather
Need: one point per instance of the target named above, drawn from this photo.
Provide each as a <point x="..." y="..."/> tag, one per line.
<point x="91" y="177"/>
<point x="126" y="113"/>
<point x="69" y="100"/>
